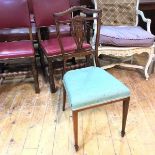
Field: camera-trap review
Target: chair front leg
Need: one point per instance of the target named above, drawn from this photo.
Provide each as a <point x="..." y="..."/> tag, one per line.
<point x="125" y="113"/>
<point x="35" y="76"/>
<point x="64" y="98"/>
<point x="75" y="127"/>
<point x="51" y="76"/>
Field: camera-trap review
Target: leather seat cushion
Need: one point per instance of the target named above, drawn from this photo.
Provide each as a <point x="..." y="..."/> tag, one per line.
<point x="126" y="36"/>
<point x="51" y="47"/>
<point x="16" y="49"/>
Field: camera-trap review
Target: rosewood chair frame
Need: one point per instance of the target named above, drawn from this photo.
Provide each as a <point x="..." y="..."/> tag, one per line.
<point x="78" y="26"/>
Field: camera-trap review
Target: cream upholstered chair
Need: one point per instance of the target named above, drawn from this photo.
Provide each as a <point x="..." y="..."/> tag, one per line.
<point x="120" y="36"/>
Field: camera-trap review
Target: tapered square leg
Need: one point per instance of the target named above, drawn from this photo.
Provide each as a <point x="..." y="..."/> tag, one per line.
<point x="64" y="98"/>
<point x="125" y="113"/>
<point x="75" y="127"/>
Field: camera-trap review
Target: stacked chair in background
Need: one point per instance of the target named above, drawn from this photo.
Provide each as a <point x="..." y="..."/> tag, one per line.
<point x="120" y="35"/>
<point x="14" y="16"/>
<point x="50" y="48"/>
<point x="17" y="32"/>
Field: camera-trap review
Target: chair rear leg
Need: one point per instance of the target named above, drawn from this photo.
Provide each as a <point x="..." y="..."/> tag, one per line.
<point x="75" y="127"/>
<point x="35" y="76"/>
<point x="43" y="65"/>
<point x="64" y="98"/>
<point x="51" y="77"/>
<point x="125" y="113"/>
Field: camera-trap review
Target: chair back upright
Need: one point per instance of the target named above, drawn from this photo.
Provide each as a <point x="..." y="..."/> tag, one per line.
<point x="118" y="12"/>
<point x="80" y="26"/>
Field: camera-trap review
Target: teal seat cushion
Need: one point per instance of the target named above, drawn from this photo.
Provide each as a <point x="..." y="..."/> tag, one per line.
<point x="92" y="86"/>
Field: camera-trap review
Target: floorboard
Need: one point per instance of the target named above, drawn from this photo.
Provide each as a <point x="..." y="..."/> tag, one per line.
<point x="34" y="124"/>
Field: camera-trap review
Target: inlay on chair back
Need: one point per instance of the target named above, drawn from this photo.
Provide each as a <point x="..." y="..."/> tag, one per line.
<point x="44" y="10"/>
<point x="14" y="14"/>
<point x="118" y="12"/>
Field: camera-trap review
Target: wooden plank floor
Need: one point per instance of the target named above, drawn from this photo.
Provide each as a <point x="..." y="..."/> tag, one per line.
<point x="34" y="124"/>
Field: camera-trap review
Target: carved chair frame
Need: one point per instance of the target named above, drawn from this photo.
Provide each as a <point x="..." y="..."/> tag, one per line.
<point x="129" y="51"/>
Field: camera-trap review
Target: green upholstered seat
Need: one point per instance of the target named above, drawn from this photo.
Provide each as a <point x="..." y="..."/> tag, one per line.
<point x="91" y="86"/>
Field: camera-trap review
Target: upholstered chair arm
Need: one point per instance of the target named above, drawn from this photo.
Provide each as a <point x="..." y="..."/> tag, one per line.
<point x="146" y="20"/>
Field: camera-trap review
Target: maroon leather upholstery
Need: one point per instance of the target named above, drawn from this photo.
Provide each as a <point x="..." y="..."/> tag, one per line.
<point x="14" y="13"/>
<point x="65" y="30"/>
<point x="44" y="10"/>
<point x="16" y="49"/>
<point x="17" y="34"/>
<point x="52" y="48"/>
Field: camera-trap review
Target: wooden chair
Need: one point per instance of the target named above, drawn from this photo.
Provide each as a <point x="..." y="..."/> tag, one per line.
<point x="50" y="49"/>
<point x="76" y="44"/>
<point x="15" y="14"/>
<point x="120" y="35"/>
<point x="88" y="87"/>
<point x="92" y="87"/>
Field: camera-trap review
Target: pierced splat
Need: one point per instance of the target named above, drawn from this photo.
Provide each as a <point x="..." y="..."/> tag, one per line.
<point x="78" y="30"/>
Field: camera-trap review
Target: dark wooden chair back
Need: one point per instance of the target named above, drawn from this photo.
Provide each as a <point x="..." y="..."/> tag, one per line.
<point x="79" y="27"/>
